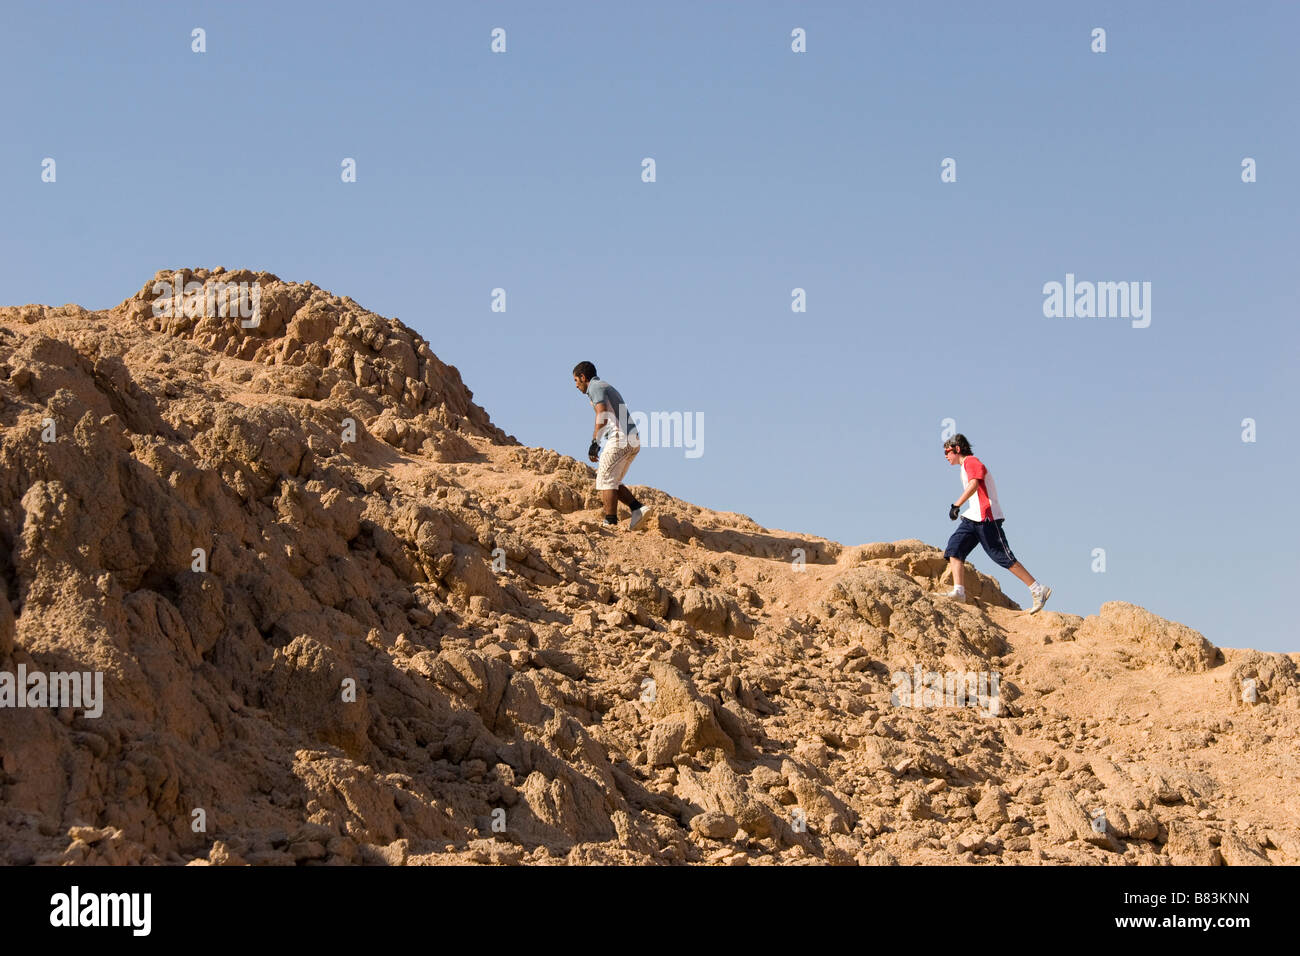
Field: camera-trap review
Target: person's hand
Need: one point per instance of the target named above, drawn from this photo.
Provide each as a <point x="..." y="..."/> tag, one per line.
<point x="593" y="451"/>
<point x="954" y="512"/>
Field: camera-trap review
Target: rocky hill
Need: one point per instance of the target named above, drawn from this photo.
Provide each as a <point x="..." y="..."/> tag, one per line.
<point x="342" y="618"/>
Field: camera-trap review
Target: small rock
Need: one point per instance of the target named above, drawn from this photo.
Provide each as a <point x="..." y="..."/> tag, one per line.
<point x="1237" y="850"/>
<point x="714" y="826"/>
<point x="992" y="808"/>
<point x="971" y="840"/>
<point x="1189" y="845"/>
<point x="914" y="807"/>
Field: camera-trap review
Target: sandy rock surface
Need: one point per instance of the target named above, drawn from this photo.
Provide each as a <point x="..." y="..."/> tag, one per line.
<point x="343" y="618"/>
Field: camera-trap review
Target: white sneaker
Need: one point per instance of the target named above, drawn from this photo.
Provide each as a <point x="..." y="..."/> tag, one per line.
<point x="1040" y="598"/>
<point x="637" y="515"/>
<point x="954" y="593"/>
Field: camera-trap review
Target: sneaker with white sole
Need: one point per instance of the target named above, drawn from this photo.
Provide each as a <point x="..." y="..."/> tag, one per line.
<point x="954" y="593"/>
<point x="637" y="515"/>
<point x="1040" y="598"/>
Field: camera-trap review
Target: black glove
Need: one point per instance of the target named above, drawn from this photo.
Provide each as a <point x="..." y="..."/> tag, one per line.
<point x="593" y="451"/>
<point x="954" y="512"/>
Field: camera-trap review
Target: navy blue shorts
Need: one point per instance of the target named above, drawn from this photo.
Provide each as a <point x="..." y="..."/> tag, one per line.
<point x="987" y="534"/>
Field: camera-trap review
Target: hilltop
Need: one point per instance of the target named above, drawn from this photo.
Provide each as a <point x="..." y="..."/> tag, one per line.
<point x="343" y="617"/>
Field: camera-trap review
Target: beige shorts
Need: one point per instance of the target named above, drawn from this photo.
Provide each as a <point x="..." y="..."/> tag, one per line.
<point x="615" y="457"/>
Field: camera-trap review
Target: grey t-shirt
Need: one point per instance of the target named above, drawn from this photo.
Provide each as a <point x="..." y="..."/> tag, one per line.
<point x="601" y="391"/>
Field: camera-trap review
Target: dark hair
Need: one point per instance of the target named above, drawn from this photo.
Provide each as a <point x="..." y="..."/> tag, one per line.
<point x="585" y="370"/>
<point x="959" y="442"/>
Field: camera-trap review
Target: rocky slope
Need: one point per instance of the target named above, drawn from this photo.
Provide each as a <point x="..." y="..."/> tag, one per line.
<point x="407" y="640"/>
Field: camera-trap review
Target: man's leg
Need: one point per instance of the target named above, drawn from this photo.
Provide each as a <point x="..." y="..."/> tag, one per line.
<point x="1039" y="593"/>
<point x="995" y="543"/>
<point x="623" y="452"/>
<point x="609" y="477"/>
<point x="958" y="567"/>
<point x="1019" y="571"/>
<point x="963" y="541"/>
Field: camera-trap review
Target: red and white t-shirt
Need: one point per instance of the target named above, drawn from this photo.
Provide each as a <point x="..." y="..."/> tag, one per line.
<point x="983" y="505"/>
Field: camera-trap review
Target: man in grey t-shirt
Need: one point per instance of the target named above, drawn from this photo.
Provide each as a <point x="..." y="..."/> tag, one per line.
<point x="614" y="424"/>
<point x="600" y="392"/>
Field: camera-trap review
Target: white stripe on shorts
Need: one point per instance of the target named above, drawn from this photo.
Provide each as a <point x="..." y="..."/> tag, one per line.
<point x="615" y="458"/>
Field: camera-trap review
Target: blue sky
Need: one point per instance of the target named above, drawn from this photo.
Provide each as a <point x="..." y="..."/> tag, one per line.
<point x="775" y="170"/>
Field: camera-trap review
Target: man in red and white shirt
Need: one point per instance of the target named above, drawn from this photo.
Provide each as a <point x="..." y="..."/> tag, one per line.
<point x="981" y="523"/>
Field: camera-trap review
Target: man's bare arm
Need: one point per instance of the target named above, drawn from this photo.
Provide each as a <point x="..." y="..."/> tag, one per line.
<point x="602" y="416"/>
<point x="971" y="487"/>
